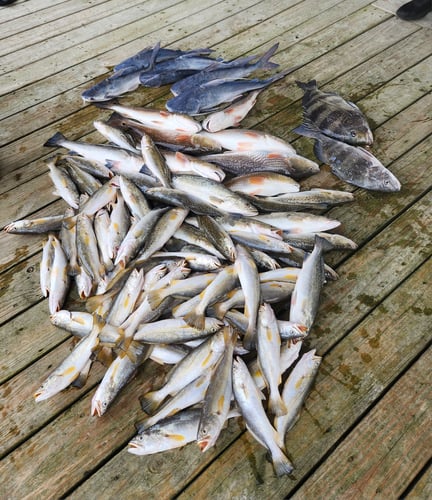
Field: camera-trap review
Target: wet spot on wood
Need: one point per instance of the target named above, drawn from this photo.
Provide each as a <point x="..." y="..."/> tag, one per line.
<point x="374" y="342"/>
<point x="366" y="299"/>
<point x="367" y="358"/>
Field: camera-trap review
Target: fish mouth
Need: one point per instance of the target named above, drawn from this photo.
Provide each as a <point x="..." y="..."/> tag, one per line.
<point x="96" y="409"/>
<point x="203" y="444"/>
<point x="37" y="395"/>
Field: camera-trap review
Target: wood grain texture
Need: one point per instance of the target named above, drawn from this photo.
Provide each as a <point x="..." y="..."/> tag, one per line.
<point x="373" y="325"/>
<point x="385" y="450"/>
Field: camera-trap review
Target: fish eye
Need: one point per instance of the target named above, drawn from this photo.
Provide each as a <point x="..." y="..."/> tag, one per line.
<point x="353" y="133"/>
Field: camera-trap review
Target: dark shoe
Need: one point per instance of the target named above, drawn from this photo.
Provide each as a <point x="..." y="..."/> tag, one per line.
<point x="6" y="2"/>
<point x="416" y="9"/>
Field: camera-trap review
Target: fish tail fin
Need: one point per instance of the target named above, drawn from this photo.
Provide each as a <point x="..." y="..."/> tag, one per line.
<point x="218" y="310"/>
<point x="276" y="405"/>
<point x="330" y="273"/>
<point x="155" y="298"/>
<point x="264" y="61"/>
<point x="106" y="104"/>
<point x="143" y="425"/>
<point x="282" y="74"/>
<point x="151" y="401"/>
<point x="55" y="140"/>
<point x="308" y="130"/>
<point x="249" y="339"/>
<point x="80" y="381"/>
<point x="310" y="85"/>
<point x="323" y="244"/>
<point x="282" y="464"/>
<point x="73" y="269"/>
<point x="196" y="320"/>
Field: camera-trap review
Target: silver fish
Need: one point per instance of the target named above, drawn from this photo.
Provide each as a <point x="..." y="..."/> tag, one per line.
<point x="136" y="236"/>
<point x="250" y="161"/>
<point x="39" y="225"/>
<point x="79" y="323"/>
<point x="133" y="197"/>
<point x="217" y="235"/>
<point x="214" y="193"/>
<point x="248" y="398"/>
<point x="232" y="115"/>
<point x="71" y="367"/>
<point x="59" y="279"/>
<point x="223" y="282"/>
<point x="164" y="228"/>
<point x="263" y="184"/>
<point x="190" y="395"/>
<point x="46" y="265"/>
<point x="175" y="330"/>
<point x="250" y="283"/>
<point x="120" y="371"/>
<point x="298" y="222"/>
<point x="295" y="391"/>
<point x="218" y="396"/>
<point x="268" y="349"/>
<point x="102" y="153"/>
<point x="173" y="432"/>
<point x="154" y="161"/>
<point x="306" y="295"/>
<point x="65" y="187"/>
<point x="189" y="368"/>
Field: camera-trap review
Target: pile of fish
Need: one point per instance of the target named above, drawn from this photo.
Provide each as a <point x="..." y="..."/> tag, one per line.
<point x="201" y="84"/>
<point x="187" y="260"/>
<point x="340" y="129"/>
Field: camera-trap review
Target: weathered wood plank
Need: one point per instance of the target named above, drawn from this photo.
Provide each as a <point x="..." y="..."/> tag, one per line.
<point x="385" y="451"/>
<point x="345" y="386"/>
<point x="26" y="338"/>
<point x="15" y="12"/>
<point x="18" y="402"/>
<point x="24" y="31"/>
<point x="20" y="288"/>
<point x="53" y="41"/>
<point x="70" y="447"/>
<point x="352" y="376"/>
<point x="422" y="490"/>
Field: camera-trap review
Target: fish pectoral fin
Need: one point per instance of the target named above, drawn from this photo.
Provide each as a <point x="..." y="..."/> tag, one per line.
<point x="82" y="375"/>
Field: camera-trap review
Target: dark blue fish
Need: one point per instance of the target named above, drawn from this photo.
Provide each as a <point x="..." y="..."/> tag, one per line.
<point x="157" y="79"/>
<point x="235" y="69"/>
<point x="141" y="60"/>
<point x="208" y="96"/>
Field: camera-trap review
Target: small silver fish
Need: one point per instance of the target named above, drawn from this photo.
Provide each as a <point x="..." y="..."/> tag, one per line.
<point x="248" y="398"/>
<point x="295" y="391"/>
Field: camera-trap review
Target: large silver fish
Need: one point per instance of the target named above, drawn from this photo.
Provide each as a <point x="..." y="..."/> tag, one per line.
<point x="334" y="116"/>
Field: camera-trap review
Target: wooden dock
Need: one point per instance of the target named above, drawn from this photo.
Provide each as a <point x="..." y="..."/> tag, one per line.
<point x="365" y="431"/>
